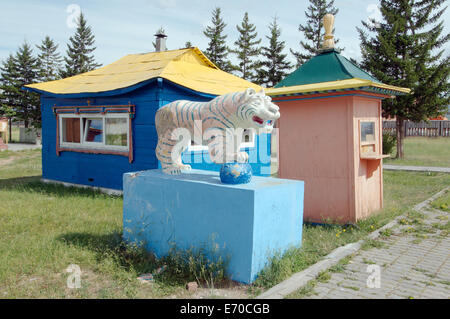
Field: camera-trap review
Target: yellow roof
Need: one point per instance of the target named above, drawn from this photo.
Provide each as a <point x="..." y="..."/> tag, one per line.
<point x="354" y="83"/>
<point x="187" y="67"/>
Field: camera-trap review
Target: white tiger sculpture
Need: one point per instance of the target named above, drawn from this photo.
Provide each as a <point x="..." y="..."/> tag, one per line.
<point x="219" y="119"/>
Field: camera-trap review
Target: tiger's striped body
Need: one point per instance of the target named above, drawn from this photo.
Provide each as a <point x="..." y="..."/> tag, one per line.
<point x="218" y="119"/>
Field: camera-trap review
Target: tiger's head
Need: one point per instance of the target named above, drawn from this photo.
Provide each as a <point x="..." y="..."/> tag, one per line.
<point x="258" y="111"/>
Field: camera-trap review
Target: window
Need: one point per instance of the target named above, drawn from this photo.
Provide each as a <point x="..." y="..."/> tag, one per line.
<point x="71" y="130"/>
<point x="367" y="131"/>
<point x="248" y="138"/>
<point x="116" y="131"/>
<point x="104" y="132"/>
<point x="367" y="137"/>
<point x="93" y="130"/>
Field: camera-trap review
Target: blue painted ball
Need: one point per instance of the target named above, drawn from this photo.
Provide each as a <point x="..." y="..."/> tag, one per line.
<point x="236" y="173"/>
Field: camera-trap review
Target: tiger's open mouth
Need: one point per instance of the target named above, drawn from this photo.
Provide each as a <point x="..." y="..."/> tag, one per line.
<point x="260" y="121"/>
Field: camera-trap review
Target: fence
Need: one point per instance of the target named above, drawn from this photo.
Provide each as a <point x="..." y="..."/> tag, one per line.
<point x="430" y="129"/>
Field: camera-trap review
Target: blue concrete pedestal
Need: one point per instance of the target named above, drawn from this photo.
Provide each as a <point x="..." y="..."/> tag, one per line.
<point x="247" y="223"/>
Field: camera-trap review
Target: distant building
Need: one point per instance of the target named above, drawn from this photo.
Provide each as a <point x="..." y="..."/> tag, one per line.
<point x="99" y="125"/>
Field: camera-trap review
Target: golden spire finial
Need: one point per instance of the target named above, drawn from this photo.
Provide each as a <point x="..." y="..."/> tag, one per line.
<point x="328" y="39"/>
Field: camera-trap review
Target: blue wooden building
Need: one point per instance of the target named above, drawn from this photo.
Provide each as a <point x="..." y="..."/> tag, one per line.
<point x="98" y="125"/>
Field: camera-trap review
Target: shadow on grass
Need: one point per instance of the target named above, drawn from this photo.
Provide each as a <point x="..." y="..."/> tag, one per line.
<point x="180" y="266"/>
<point x="33" y="184"/>
<point x="111" y="246"/>
<point x="18" y="181"/>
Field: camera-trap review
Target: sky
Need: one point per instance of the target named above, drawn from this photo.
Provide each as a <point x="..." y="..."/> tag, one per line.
<point x="125" y="27"/>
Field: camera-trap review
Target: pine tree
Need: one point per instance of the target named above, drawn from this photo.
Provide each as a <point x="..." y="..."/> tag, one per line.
<point x="187" y="45"/>
<point x="246" y="49"/>
<point x="8" y="88"/>
<point x="274" y="66"/>
<point x="217" y="50"/>
<point x="18" y="71"/>
<point x="79" y="58"/>
<point x="313" y="29"/>
<point x="49" y="60"/>
<point x="406" y="50"/>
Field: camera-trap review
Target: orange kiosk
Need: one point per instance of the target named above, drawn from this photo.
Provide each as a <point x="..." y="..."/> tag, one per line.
<point x="330" y="135"/>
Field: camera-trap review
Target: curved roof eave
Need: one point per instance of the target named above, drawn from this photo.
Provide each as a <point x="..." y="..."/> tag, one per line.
<point x="333" y="86"/>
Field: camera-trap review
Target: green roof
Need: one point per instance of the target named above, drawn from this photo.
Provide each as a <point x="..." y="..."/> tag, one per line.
<point x="325" y="67"/>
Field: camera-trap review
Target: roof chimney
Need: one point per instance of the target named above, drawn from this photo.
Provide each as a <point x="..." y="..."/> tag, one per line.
<point x="160" y="42"/>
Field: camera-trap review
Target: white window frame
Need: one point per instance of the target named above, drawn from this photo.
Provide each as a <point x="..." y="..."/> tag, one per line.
<point x="93" y="145"/>
<point x="196" y="148"/>
<point x="251" y="143"/>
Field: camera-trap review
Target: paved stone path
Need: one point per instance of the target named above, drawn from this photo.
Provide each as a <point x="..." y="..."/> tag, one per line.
<point x="413" y="259"/>
<point x="416" y="168"/>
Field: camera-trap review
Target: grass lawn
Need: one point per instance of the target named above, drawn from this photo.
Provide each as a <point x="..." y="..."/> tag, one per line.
<point x="423" y="151"/>
<point x="45" y="228"/>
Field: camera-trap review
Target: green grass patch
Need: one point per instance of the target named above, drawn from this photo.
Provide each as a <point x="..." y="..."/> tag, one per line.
<point x="372" y="243"/>
<point x="45" y="228"/>
<point x="424" y="271"/>
<point x="350" y="287"/>
<point x="306" y="290"/>
<point x="439" y="226"/>
<point x="368" y="262"/>
<point x="423" y="151"/>
<point x="323" y="276"/>
<point x="340" y="266"/>
<point x="443" y="202"/>
<point x="386" y="233"/>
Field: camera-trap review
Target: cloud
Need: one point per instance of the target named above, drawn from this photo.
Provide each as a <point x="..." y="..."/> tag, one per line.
<point x="375" y="14"/>
<point x="74" y="11"/>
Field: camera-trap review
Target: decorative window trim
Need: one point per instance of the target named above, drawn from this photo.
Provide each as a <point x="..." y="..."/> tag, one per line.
<point x="367" y="148"/>
<point x="101" y="112"/>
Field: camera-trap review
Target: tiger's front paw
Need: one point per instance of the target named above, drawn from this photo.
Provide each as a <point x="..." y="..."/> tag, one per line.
<point x="242" y="157"/>
<point x="172" y="170"/>
<point x="176" y="169"/>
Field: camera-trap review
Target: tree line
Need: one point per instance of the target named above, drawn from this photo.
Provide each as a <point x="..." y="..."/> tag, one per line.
<point x="265" y="65"/>
<point x="404" y="49"/>
<point x="24" y="67"/>
<point x="262" y="65"/>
